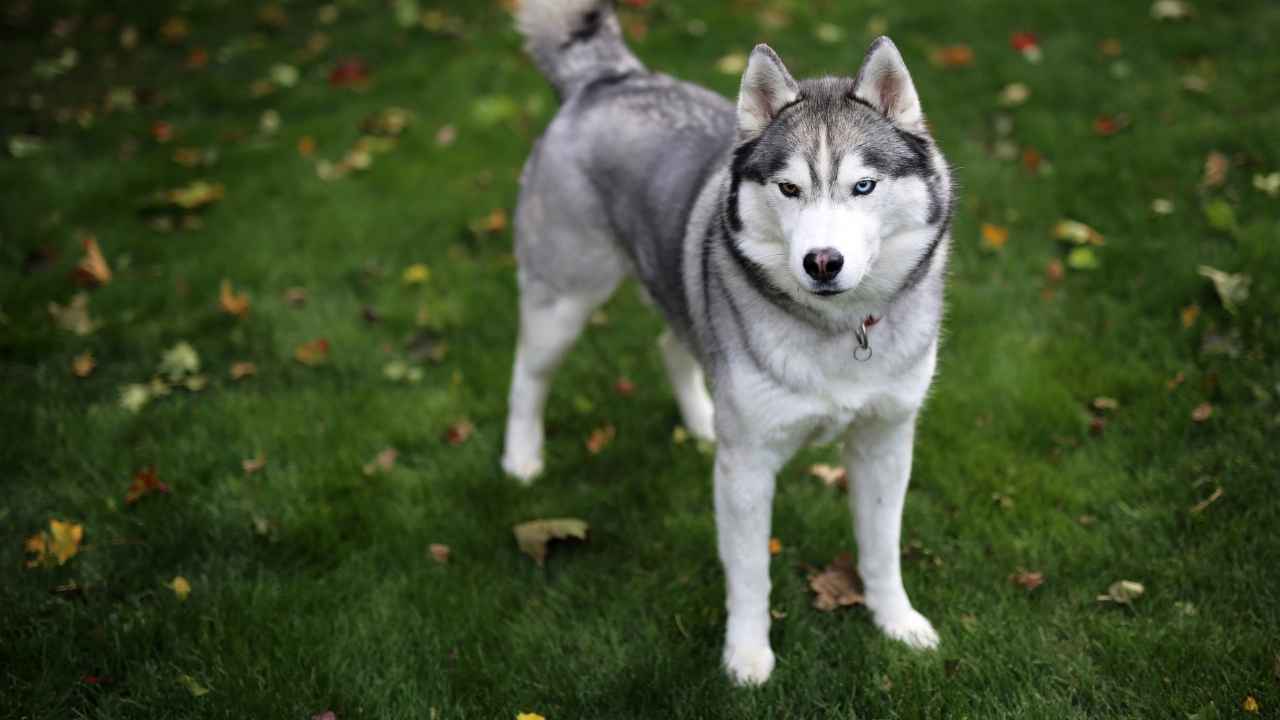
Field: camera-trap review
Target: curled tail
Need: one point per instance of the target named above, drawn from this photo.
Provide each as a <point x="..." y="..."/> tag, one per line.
<point x="574" y="41"/>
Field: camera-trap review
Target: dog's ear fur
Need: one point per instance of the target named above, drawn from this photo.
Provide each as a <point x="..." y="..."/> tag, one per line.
<point x="884" y="83"/>
<point x="767" y="87"/>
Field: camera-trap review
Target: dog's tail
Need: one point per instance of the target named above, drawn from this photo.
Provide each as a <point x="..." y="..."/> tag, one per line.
<point x="574" y="41"/>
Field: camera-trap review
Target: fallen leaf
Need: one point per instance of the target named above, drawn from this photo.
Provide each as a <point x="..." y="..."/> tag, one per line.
<point x="836" y="586"/>
<point x="1028" y="45"/>
<point x="144" y="482"/>
<point x="1216" y="166"/>
<point x="254" y="464"/>
<point x="55" y="546"/>
<point x="243" y="369"/>
<point x="775" y="546"/>
<point x="82" y="365"/>
<point x="1077" y="233"/>
<point x="459" y="432"/>
<point x="1171" y="10"/>
<point x="1213" y="498"/>
<point x="1268" y="184"/>
<point x="994" y="237"/>
<point x="952" y="56"/>
<point x="732" y="64"/>
<point x="232" y="303"/>
<point x="134" y="396"/>
<point x="446" y="136"/>
<point x="416" y="274"/>
<point x="180" y="587"/>
<point x="1176" y="380"/>
<point x="1202" y="412"/>
<point x="295" y="296"/>
<point x="439" y="553"/>
<point x="388" y="122"/>
<point x="192" y="685"/>
<point x="529" y="716"/>
<point x="1082" y="258"/>
<point x="1232" y="288"/>
<point x="1189" y="315"/>
<point x="327" y="714"/>
<point x="381" y="463"/>
<point x="1014" y="94"/>
<point x="1027" y="579"/>
<point x="1123" y="592"/>
<point x="1110" y="47"/>
<point x="1250" y="705"/>
<point x="494" y="222"/>
<point x="600" y="438"/>
<point x="74" y="316"/>
<point x="533" y="536"/>
<point x="830" y="475"/>
<point x="1162" y="206"/>
<point x="179" y="362"/>
<point x="624" y="387"/>
<point x="1107" y="125"/>
<point x="312" y="353"/>
<point x="1054" y="272"/>
<point x="93" y="269"/>
<point x="349" y="72"/>
<point x="1105" y="404"/>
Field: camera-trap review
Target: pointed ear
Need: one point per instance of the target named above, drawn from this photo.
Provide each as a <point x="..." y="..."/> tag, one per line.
<point x="885" y="83"/>
<point x="766" y="88"/>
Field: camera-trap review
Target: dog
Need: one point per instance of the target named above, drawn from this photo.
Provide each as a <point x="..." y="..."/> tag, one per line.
<point x="796" y="245"/>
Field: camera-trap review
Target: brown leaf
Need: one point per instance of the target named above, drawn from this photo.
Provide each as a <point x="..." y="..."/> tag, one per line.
<point x="830" y="475"/>
<point x="459" y="432"/>
<point x="93" y="269"/>
<point x="533" y="536"/>
<point x="624" y="387"/>
<point x="836" y="586"/>
<point x="775" y="546"/>
<point x="1189" y="315"/>
<point x="1123" y="592"/>
<point x="1027" y="579"/>
<point x="1216" y="166"/>
<point x="144" y="482"/>
<point x="312" y="353"/>
<point x="952" y="56"/>
<point x="232" y="303"/>
<point x="243" y="369"/>
<point x="295" y="296"/>
<point x="306" y="146"/>
<point x="1202" y="412"/>
<point x="1205" y="503"/>
<point x="600" y="438"/>
<point x="439" y="553"/>
<point x="383" y="462"/>
<point x="82" y="365"/>
<point x="254" y="464"/>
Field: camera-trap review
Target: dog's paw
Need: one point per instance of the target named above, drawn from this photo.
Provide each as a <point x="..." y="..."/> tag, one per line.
<point x="523" y="469"/>
<point x="910" y="627"/>
<point x="749" y="666"/>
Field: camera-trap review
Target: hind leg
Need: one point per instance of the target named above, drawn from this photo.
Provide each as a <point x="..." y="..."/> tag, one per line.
<point x="690" y="387"/>
<point x="550" y="322"/>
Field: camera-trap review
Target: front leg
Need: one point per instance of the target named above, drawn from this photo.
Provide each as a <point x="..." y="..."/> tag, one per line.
<point x="744" y="483"/>
<point x="878" y="458"/>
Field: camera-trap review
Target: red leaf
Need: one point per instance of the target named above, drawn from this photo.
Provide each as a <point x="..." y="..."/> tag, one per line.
<point x="349" y="72"/>
<point x="1023" y="41"/>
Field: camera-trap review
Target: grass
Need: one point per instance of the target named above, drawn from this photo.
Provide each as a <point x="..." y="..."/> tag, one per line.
<point x="312" y="586"/>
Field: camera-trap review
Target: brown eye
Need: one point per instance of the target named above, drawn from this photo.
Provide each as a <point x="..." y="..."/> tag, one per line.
<point x="788" y="189"/>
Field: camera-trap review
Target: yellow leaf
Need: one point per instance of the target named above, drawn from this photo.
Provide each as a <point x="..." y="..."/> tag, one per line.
<point x="232" y="303"/>
<point x="1250" y="705"/>
<point x="529" y="716"/>
<point x="533" y="536"/>
<point x="830" y="475"/>
<point x="1190" y="314"/>
<point x="92" y="270"/>
<point x="55" y="546"/>
<point x="312" y="353"/>
<point x="732" y="64"/>
<point x="82" y="365"/>
<point x="241" y="370"/>
<point x="775" y="546"/>
<point x="416" y="274"/>
<point x="994" y="236"/>
<point x="180" y="587"/>
<point x="74" y="316"/>
<point x="600" y="438"/>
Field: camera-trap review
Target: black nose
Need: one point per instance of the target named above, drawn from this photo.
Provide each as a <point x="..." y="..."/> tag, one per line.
<point x="823" y="264"/>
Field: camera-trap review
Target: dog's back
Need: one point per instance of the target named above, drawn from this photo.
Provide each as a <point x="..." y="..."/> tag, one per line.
<point x="622" y="162"/>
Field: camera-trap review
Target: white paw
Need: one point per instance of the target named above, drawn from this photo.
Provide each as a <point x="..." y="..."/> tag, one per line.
<point x="749" y="666"/>
<point x="700" y="424"/>
<point x="908" y="626"/>
<point x="523" y="469"/>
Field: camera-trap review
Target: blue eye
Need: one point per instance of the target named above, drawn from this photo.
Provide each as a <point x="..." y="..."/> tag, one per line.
<point x="864" y="187"/>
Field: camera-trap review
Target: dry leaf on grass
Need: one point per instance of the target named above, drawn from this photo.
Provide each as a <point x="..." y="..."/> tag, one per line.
<point x="1123" y="592"/>
<point x="231" y="302"/>
<point x="439" y="553"/>
<point x="312" y="353"/>
<point x="82" y="365"/>
<point x="1203" y="504"/>
<point x="994" y="237"/>
<point x="836" y="586"/>
<point x="1232" y="288"/>
<point x="1202" y="412"/>
<point x="254" y="464"/>
<point x="775" y="546"/>
<point x="145" y="482"/>
<point x="55" y="546"/>
<point x="74" y="316"/>
<point x="600" y="438"/>
<point x="830" y="475"/>
<point x="180" y="587"/>
<point x="382" y="463"/>
<point x="1216" y="166"/>
<point x="1027" y="579"/>
<point x="459" y="432"/>
<point x="93" y="269"/>
<point x="243" y="369"/>
<point x="534" y="535"/>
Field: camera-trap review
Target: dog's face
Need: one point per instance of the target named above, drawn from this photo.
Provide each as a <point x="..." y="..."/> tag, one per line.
<point x="838" y="192"/>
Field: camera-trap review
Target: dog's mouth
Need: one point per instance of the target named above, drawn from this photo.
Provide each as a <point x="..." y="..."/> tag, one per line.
<point x="828" y="292"/>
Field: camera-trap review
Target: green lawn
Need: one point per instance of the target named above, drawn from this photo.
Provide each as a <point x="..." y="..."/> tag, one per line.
<point x="312" y="586"/>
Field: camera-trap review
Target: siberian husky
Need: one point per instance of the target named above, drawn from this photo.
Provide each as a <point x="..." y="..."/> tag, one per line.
<point x="796" y="245"/>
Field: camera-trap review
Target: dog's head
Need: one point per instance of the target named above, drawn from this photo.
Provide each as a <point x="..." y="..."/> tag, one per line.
<point x="838" y="192"/>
